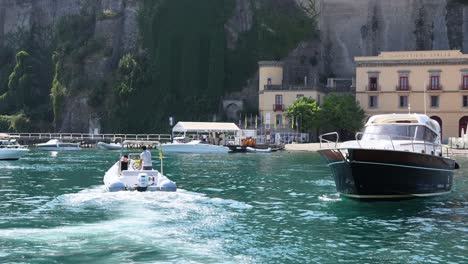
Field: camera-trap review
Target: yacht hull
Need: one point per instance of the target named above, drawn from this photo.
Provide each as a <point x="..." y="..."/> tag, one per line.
<point x="386" y="174"/>
<point x="12" y="153"/>
<point x="193" y="148"/>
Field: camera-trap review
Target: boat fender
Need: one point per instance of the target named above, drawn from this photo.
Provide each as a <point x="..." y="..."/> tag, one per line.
<point x="142" y="182"/>
<point x="116" y="186"/>
<point x="167" y="185"/>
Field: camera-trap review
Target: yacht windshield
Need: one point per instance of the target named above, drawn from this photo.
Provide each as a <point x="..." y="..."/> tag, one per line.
<point x="399" y="132"/>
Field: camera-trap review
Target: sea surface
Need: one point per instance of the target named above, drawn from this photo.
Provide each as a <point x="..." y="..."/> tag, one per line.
<point x="231" y="208"/>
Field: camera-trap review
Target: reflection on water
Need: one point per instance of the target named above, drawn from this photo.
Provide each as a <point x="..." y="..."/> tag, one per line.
<point x="236" y="208"/>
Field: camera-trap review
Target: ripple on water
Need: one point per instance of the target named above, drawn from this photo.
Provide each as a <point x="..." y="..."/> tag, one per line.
<point x="174" y="224"/>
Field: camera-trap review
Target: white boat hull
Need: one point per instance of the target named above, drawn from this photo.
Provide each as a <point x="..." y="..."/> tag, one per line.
<point x="57" y="148"/>
<point x="193" y="148"/>
<point x="130" y="179"/>
<point x="12" y="153"/>
<point x="111" y="146"/>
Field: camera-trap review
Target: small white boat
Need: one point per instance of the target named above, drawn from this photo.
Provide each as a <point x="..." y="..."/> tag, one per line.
<point x="125" y="175"/>
<point x="194" y="146"/>
<point x="250" y="149"/>
<point x="111" y="146"/>
<point x="10" y="149"/>
<point x="57" y="144"/>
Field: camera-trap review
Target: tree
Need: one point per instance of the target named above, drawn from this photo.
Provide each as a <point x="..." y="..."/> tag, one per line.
<point x="341" y="113"/>
<point x="306" y="111"/>
<point x="18" y="94"/>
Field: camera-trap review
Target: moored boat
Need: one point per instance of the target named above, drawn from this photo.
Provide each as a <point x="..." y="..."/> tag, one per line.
<point x="57" y="145"/>
<point x="10" y="149"/>
<point x="194" y="146"/>
<point x="397" y="156"/>
<point x="110" y="146"/>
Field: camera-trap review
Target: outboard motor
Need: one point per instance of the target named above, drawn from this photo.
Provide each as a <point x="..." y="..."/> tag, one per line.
<point x="116" y="186"/>
<point x="142" y="182"/>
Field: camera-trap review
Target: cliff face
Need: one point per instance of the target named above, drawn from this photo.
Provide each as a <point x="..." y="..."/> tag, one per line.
<point x="367" y="27"/>
<point x="347" y="29"/>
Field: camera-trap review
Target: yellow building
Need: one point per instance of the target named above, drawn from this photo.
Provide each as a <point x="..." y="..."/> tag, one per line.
<point x="276" y="95"/>
<point x="431" y="82"/>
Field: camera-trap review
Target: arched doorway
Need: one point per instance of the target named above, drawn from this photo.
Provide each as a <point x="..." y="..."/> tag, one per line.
<point x="439" y="120"/>
<point x="462" y="125"/>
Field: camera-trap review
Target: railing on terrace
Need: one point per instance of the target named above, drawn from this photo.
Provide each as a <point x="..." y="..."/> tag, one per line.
<point x="284" y="87"/>
<point x="79" y="136"/>
<point x="278" y="107"/>
<point x="403" y="88"/>
<point x="432" y="87"/>
<point x="463" y="86"/>
<point x="372" y="88"/>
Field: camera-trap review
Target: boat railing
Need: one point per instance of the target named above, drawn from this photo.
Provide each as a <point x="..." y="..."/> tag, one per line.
<point x="428" y="146"/>
<point x="328" y="142"/>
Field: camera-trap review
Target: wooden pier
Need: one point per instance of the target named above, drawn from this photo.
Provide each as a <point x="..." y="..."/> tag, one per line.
<point x="87" y="140"/>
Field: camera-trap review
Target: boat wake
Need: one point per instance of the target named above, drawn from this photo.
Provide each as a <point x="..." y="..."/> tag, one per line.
<point x="166" y="225"/>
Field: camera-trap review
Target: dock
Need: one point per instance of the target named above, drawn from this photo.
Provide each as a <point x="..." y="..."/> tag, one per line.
<point x="88" y="140"/>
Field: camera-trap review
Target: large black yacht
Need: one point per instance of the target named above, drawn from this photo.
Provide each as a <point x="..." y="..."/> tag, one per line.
<point x="396" y="156"/>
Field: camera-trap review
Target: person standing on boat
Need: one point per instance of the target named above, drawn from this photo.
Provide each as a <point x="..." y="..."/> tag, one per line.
<point x="145" y="159"/>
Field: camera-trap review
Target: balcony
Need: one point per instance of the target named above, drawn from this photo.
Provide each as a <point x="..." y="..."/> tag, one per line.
<point x="403" y="88"/>
<point x="463" y="87"/>
<point x="278" y="107"/>
<point x="432" y="87"/>
<point x="373" y="88"/>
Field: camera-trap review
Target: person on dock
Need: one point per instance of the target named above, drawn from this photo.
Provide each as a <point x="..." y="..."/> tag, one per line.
<point x="145" y="159"/>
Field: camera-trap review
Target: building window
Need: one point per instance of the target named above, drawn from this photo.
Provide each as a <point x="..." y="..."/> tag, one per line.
<point x="278" y="106"/>
<point x="403" y="101"/>
<point x="435" y="83"/>
<point x="373" y="84"/>
<point x="403" y="83"/>
<point x="434" y="101"/>
<point x="269" y="81"/>
<point x="278" y="119"/>
<point x="299" y="96"/>
<point x="465" y="101"/>
<point x="373" y="101"/>
<point x="465" y="82"/>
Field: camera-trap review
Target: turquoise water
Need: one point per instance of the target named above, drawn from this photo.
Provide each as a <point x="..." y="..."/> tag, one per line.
<point x="234" y="208"/>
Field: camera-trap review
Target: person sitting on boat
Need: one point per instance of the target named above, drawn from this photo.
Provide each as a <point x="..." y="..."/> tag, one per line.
<point x="145" y="159"/>
<point x="124" y="163"/>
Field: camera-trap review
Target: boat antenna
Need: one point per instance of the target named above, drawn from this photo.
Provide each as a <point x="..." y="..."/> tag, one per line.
<point x="424" y="88"/>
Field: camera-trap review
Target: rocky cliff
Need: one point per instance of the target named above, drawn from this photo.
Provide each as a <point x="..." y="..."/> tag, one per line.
<point x="366" y="27"/>
<point x="81" y="43"/>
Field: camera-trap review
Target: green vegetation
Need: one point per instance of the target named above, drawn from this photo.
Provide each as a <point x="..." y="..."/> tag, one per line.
<point x="341" y="113"/>
<point x="14" y="123"/>
<point x="307" y="112"/>
<point x="107" y="14"/>
<point x="182" y="69"/>
<point x="338" y="113"/>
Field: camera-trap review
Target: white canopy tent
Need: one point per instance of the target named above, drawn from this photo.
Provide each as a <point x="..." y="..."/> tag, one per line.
<point x="213" y="129"/>
<point x="205" y="127"/>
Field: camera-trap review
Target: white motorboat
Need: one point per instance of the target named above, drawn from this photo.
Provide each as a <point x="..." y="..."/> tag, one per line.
<point x="57" y="144"/>
<point x="10" y="149"/>
<point x="111" y="146"/>
<point x="259" y="150"/>
<point x="195" y="146"/>
<point x="125" y="175"/>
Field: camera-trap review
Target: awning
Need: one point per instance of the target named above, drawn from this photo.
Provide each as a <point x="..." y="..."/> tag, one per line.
<point x="205" y="127"/>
